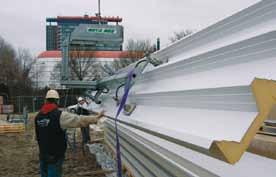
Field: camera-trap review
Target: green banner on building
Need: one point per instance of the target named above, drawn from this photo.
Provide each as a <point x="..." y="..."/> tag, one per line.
<point x="101" y="30"/>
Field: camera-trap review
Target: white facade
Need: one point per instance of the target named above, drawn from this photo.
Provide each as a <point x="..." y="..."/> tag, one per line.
<point x="46" y="73"/>
<point x="43" y="73"/>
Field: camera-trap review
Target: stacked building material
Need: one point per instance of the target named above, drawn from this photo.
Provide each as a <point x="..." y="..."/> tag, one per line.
<point x="7" y="109"/>
<point x="11" y="128"/>
<point x="97" y="132"/>
<point x="269" y="128"/>
<point x="1" y="103"/>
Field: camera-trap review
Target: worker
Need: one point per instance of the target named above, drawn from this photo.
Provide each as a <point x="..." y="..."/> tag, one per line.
<point x="50" y="127"/>
<point x="83" y="109"/>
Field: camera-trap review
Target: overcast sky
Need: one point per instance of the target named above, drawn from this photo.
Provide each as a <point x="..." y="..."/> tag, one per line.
<point x="23" y="21"/>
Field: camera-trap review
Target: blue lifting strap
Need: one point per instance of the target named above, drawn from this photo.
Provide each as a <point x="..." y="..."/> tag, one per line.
<point x="121" y="106"/>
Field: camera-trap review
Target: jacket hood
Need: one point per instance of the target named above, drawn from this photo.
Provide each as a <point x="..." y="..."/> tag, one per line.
<point x="48" y="107"/>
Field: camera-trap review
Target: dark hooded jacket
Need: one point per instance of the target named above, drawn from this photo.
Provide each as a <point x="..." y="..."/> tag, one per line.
<point x="50" y="136"/>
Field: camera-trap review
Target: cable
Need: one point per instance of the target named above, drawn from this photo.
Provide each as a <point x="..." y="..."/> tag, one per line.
<point x="117" y="91"/>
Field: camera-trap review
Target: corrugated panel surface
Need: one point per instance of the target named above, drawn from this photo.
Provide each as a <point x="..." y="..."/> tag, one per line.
<point x="206" y="104"/>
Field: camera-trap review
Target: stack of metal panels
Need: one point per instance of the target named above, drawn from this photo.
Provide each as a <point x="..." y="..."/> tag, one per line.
<point x="197" y="114"/>
<point x="7" y="109"/>
<point x="1" y="103"/>
<point x="269" y="128"/>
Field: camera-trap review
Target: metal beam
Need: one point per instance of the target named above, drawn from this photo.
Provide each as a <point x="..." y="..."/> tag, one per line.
<point x="80" y="84"/>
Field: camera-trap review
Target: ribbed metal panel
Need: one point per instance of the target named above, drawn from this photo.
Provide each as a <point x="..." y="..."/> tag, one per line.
<point x="253" y="21"/>
<point x="200" y="110"/>
<point x="153" y="160"/>
<point x="171" y="156"/>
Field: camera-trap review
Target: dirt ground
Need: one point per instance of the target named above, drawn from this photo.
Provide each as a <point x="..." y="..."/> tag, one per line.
<point x="19" y="158"/>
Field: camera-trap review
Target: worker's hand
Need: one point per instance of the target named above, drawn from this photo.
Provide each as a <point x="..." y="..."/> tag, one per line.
<point x="101" y="114"/>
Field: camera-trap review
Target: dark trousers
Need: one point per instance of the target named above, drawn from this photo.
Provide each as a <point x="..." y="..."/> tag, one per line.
<point x="53" y="169"/>
<point x="85" y="135"/>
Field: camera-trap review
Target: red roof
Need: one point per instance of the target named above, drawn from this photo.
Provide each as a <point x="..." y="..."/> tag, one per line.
<point x="94" y="54"/>
<point x="109" y="19"/>
<point x="50" y="54"/>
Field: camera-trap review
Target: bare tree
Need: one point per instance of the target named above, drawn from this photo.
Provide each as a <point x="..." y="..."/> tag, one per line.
<point x="25" y="60"/>
<point x="12" y="73"/>
<point x="8" y="64"/>
<point x="179" y="35"/>
<point x="136" y="49"/>
<point x="82" y="65"/>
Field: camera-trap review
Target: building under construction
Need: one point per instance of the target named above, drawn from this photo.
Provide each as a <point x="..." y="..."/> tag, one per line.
<point x="107" y="33"/>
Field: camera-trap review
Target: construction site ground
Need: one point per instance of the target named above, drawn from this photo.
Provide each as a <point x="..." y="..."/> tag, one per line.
<point x="19" y="157"/>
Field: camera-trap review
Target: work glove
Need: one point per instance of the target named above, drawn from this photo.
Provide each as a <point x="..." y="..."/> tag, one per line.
<point x="100" y="114"/>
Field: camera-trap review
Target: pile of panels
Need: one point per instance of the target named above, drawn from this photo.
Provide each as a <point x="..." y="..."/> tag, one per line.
<point x="197" y="114"/>
<point x="269" y="128"/>
<point x="5" y="109"/>
<point x="11" y="128"/>
<point x="1" y="103"/>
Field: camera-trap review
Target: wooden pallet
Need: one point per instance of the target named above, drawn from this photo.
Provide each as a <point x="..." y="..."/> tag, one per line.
<point x="12" y="128"/>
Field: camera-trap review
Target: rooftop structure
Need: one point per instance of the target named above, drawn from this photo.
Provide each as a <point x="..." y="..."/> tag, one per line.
<point x="95" y="54"/>
<point x="58" y="28"/>
<point x="84" y="19"/>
